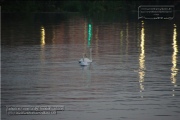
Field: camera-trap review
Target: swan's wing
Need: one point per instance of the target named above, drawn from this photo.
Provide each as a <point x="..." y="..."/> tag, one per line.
<point x="83" y="63"/>
<point x="85" y="60"/>
<point x="80" y="60"/>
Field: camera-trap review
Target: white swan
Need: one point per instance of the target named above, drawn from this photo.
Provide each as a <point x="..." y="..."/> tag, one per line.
<point x="83" y="62"/>
<point x="86" y="59"/>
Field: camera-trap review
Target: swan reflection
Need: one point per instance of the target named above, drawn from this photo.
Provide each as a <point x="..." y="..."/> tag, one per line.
<point x="87" y="74"/>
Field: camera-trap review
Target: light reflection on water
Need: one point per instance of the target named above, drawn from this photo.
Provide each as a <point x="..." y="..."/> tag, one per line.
<point x="134" y="74"/>
<point x="42" y="36"/>
<point x="174" y="69"/>
<point x="142" y="59"/>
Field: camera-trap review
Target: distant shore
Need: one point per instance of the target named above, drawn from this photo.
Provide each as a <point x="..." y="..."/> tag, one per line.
<point x="77" y="6"/>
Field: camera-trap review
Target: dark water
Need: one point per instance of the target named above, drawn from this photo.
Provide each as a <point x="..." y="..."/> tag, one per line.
<point x="134" y="74"/>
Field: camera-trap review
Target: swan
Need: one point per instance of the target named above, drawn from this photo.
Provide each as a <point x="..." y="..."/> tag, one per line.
<point x="86" y="59"/>
<point x="83" y="62"/>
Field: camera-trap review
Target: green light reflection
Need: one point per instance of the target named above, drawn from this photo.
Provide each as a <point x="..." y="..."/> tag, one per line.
<point x="89" y="34"/>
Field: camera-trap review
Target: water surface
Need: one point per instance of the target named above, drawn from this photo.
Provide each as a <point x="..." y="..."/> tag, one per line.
<point x="134" y="74"/>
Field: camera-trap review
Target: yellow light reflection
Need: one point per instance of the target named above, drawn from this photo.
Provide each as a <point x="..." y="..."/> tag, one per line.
<point x="42" y="35"/>
<point x="174" y="69"/>
<point x="42" y="44"/>
<point x="142" y="59"/>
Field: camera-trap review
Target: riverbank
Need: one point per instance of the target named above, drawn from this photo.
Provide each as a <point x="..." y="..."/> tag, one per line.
<point x="87" y="7"/>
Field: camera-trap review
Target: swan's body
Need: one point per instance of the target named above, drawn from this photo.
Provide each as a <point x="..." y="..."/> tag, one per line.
<point x="87" y="60"/>
<point x="84" y="63"/>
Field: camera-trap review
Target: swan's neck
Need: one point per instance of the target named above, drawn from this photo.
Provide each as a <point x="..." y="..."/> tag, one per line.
<point x="90" y="55"/>
<point x="83" y="58"/>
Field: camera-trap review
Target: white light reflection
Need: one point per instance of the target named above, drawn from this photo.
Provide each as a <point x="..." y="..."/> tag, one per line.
<point x="142" y="59"/>
<point x="174" y="69"/>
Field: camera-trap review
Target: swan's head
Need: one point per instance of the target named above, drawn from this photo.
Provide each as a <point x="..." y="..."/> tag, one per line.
<point x="85" y="55"/>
